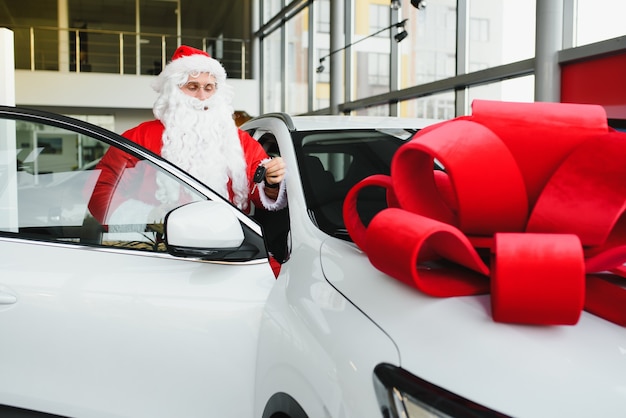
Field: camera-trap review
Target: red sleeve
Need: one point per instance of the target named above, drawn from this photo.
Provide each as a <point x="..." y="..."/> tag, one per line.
<point x="254" y="154"/>
<point x="108" y="192"/>
<point x="111" y="168"/>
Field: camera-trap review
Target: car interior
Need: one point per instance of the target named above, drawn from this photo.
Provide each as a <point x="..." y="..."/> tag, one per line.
<point x="275" y="223"/>
<point x="333" y="164"/>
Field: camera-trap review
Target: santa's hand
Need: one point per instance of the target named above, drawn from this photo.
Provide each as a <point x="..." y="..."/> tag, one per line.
<point x="275" y="171"/>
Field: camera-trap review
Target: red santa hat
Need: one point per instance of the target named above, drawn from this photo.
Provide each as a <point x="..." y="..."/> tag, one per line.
<point x="188" y="60"/>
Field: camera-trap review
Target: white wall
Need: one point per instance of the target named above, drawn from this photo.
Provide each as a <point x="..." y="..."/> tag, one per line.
<point x="52" y="88"/>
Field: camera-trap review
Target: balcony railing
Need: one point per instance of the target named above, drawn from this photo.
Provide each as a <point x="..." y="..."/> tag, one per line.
<point x="117" y="52"/>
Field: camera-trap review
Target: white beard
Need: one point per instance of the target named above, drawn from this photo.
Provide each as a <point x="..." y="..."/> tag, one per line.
<point x="201" y="138"/>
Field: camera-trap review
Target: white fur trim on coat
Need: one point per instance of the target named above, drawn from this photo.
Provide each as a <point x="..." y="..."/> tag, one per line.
<point x="190" y="64"/>
<point x="281" y="199"/>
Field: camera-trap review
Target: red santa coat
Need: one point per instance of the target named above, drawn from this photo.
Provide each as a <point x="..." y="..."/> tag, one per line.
<point x="106" y="196"/>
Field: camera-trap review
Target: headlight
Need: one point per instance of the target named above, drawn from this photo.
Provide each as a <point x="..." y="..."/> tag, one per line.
<point x="402" y="395"/>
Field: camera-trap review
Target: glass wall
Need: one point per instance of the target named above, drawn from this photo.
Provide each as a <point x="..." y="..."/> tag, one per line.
<point x="428" y="54"/>
<point x="272" y="83"/>
<point x="521" y="89"/>
<point x="456" y="51"/>
<point x="296" y="76"/>
<point x="500" y="32"/>
<point x="598" y="20"/>
<point x="437" y="106"/>
<point x="321" y="17"/>
<point x="270" y="9"/>
<point x="370" y="58"/>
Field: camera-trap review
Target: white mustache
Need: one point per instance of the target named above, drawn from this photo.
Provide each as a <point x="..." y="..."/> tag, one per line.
<point x="198" y="104"/>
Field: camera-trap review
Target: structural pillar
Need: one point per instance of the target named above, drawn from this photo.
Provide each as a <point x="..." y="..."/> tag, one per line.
<point x="64" y="38"/>
<point x="7" y="67"/>
<point x="394" y="76"/>
<point x="548" y="41"/>
<point x="336" y="60"/>
<point x="8" y="152"/>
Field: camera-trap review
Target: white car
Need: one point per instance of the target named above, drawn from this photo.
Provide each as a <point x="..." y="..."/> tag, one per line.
<point x="125" y="318"/>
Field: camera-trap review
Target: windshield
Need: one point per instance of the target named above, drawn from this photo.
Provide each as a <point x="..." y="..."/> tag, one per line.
<point x="332" y="162"/>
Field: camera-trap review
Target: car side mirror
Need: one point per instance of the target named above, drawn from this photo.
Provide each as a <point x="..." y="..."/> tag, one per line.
<point x="207" y="230"/>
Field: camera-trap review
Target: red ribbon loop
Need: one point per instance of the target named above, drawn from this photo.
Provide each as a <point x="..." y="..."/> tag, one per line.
<point x="471" y="155"/>
<point x="537" y="279"/>
<point x="350" y="214"/>
<point x="538" y="185"/>
<point x="418" y="240"/>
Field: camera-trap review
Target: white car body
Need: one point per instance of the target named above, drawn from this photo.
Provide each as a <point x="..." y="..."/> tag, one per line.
<point x="348" y="317"/>
<point x="94" y="330"/>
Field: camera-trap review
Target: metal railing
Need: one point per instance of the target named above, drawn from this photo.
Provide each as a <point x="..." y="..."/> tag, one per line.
<point x="117" y="52"/>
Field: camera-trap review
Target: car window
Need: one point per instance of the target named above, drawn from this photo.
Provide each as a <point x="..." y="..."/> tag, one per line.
<point x="331" y="163"/>
<point x="69" y="187"/>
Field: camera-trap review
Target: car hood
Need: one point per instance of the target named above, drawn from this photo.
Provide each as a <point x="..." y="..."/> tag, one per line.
<point x="518" y="370"/>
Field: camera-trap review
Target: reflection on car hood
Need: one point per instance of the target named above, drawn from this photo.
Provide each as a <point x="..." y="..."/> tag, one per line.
<point x="454" y="343"/>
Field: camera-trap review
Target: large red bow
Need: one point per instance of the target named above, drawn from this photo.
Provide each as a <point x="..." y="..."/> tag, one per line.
<point x="530" y="208"/>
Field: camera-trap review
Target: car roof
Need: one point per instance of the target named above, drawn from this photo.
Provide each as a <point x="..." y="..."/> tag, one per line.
<point x="327" y="122"/>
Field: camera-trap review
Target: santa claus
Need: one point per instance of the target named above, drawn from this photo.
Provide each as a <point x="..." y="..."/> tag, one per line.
<point x="194" y="129"/>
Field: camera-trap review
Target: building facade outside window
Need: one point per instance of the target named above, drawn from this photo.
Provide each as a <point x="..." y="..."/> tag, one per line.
<point x="379" y="19"/>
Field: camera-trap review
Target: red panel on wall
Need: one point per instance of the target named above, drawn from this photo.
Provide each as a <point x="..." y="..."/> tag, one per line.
<point x="599" y="81"/>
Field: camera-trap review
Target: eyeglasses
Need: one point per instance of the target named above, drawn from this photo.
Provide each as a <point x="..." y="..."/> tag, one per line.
<point x="194" y="87"/>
